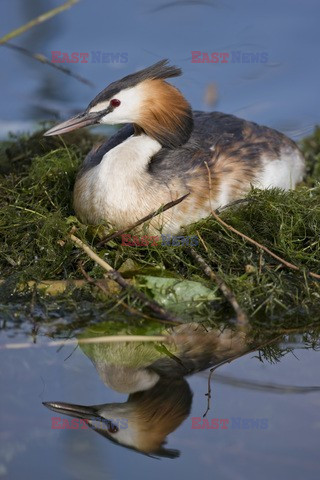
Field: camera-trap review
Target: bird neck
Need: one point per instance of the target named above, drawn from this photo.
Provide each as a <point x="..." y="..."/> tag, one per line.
<point x="166" y="116"/>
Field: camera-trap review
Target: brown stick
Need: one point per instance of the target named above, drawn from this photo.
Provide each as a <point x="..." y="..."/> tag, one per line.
<point x="229" y="360"/>
<point x="241" y="316"/>
<point x="99" y="284"/>
<point x="249" y="239"/>
<point x="142" y="220"/>
<point x="212" y="370"/>
<point x="104" y="339"/>
<point x="159" y="311"/>
<point x="242" y="319"/>
<point x="259" y="245"/>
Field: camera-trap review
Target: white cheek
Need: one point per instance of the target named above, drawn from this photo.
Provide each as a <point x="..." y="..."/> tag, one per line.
<point x="127" y="436"/>
<point x="119" y="115"/>
<point x="128" y="110"/>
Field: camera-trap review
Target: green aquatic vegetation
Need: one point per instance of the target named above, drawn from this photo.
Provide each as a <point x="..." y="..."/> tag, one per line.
<point x="134" y="355"/>
<point x="270" y="346"/>
<point x="311" y="149"/>
<point x="36" y="181"/>
<point x="35" y="205"/>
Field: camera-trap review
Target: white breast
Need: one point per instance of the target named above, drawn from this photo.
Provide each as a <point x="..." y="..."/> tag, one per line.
<point x="113" y="191"/>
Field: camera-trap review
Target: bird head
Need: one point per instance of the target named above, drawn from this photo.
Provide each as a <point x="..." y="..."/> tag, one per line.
<point x="144" y="99"/>
<point x="143" y="421"/>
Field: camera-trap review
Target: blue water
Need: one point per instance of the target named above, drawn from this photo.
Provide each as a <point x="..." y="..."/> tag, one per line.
<point x="282" y="93"/>
<point x="30" y="448"/>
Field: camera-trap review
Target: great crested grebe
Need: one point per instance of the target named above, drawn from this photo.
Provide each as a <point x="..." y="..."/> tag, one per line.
<point x="166" y="150"/>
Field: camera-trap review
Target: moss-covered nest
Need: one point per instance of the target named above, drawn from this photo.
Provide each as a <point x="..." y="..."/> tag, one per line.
<point x="36" y="181"/>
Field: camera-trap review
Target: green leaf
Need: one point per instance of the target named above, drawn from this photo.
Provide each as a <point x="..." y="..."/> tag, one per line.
<point x="173" y="292"/>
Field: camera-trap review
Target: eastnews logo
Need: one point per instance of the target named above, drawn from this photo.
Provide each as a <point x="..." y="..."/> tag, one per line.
<point x="229" y="57"/>
<point x="235" y="423"/>
<point x="58" y="423"/>
<point x="85" y="57"/>
<point x="128" y="240"/>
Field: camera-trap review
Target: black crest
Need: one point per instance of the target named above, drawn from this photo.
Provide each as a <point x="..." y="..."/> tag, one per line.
<point x="158" y="70"/>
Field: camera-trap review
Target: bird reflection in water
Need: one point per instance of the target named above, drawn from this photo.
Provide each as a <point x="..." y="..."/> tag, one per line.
<point x="154" y="377"/>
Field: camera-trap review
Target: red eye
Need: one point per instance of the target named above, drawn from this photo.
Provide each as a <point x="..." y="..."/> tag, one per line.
<point x="115" y="102"/>
<point x="112" y="428"/>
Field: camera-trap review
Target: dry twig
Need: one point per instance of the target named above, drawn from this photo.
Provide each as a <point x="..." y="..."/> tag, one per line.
<point x="228" y="360"/>
<point x="241" y="316"/>
<point x="142" y="220"/>
<point x="242" y="319"/>
<point x="104" y="339"/>
<point x="249" y="239"/>
<point x="103" y="287"/>
<point x="159" y="311"/>
<point x="262" y="247"/>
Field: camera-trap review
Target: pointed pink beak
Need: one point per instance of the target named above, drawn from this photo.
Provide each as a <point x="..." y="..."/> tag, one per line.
<point x="82" y="120"/>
